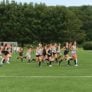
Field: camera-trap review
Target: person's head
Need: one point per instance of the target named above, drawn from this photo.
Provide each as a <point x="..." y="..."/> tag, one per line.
<point x="5" y="45"/>
<point x="40" y="45"/>
<point x="55" y="44"/>
<point x="67" y="43"/>
<point x="48" y="46"/>
<point x="21" y="49"/>
<point x="2" y="44"/>
<point x="74" y="43"/>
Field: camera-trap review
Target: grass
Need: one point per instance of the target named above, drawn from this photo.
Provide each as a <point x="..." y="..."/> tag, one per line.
<point x="22" y="77"/>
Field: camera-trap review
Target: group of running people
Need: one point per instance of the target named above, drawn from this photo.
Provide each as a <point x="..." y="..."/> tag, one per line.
<point x="5" y="53"/>
<point x="44" y="53"/>
<point x="54" y="53"/>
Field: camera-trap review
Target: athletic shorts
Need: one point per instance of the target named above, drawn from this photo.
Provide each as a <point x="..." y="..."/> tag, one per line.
<point x="74" y="56"/>
<point x="38" y="55"/>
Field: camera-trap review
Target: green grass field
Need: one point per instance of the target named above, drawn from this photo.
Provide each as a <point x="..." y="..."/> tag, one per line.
<point x="23" y="77"/>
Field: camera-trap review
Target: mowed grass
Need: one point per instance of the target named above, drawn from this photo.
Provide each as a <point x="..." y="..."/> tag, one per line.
<point x="23" y="77"/>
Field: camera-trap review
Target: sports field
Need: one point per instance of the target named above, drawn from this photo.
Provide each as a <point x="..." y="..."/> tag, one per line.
<point x="23" y="77"/>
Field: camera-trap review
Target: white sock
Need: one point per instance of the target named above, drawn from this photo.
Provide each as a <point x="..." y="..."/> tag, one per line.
<point x="1" y="62"/>
<point x="76" y="61"/>
<point x="8" y="60"/>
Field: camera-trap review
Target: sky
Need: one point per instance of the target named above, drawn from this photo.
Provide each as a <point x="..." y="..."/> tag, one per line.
<point x="59" y="2"/>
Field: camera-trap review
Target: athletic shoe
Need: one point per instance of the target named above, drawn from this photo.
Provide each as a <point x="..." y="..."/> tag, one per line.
<point x="76" y="65"/>
<point x="50" y="65"/>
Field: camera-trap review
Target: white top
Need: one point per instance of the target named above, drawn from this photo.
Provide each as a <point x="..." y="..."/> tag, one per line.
<point x="39" y="51"/>
<point x="73" y="50"/>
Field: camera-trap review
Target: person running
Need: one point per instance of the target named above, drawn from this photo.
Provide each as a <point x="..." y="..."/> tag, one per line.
<point x="49" y="55"/>
<point x="39" y="52"/>
<point x="59" y="54"/>
<point x="20" y="52"/>
<point x="0" y="56"/>
<point x="74" y="53"/>
<point x="54" y="51"/>
<point x="66" y="52"/>
<point x="44" y="53"/>
<point x="28" y="54"/>
<point x="5" y="54"/>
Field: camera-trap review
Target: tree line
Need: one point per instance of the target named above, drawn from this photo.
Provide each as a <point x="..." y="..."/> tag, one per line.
<point x="29" y="23"/>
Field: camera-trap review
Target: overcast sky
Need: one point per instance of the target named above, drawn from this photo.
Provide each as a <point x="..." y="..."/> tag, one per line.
<point x="59" y="2"/>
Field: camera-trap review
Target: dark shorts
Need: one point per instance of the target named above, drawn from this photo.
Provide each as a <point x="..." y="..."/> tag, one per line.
<point x="54" y="53"/>
<point x="44" y="54"/>
<point x="38" y="55"/>
<point x="49" y="55"/>
<point x="66" y="52"/>
<point x="5" y="52"/>
<point x="21" y="54"/>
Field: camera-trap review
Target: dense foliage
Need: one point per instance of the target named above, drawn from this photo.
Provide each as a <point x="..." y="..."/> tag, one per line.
<point x="87" y="46"/>
<point x="29" y="23"/>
